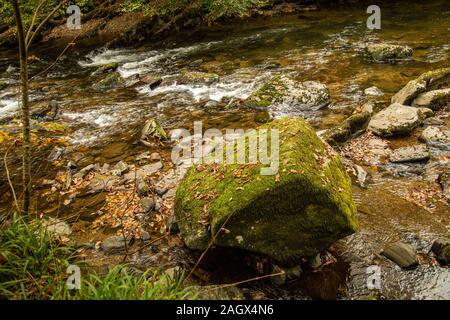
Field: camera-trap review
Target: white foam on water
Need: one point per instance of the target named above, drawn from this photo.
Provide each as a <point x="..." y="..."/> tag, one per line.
<point x="8" y="107"/>
<point x="229" y="86"/>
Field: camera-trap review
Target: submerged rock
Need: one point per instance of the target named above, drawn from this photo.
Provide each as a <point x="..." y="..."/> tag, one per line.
<point x="415" y="153"/>
<point x="297" y="212"/>
<point x="395" y="119"/>
<point x="198" y="77"/>
<point x="284" y="94"/>
<point x="373" y="91"/>
<point x="112" y="81"/>
<point x="432" y="99"/>
<point x="438" y="137"/>
<point x="403" y="254"/>
<point x="389" y="52"/>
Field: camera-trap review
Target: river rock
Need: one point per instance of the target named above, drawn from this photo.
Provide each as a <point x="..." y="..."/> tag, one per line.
<point x="297" y="212"/>
<point x="115" y="244"/>
<point x="110" y="67"/>
<point x="361" y="175"/>
<point x="195" y="77"/>
<point x="46" y="111"/>
<point x="57" y="228"/>
<point x="120" y="168"/>
<point x="350" y="127"/>
<point x="409" y="92"/>
<point x="441" y="248"/>
<point x="99" y="183"/>
<point x="415" y="153"/>
<point x="152" y="130"/>
<point x="433" y="99"/>
<point x="82" y="173"/>
<point x="427" y="81"/>
<point x="152" y="81"/>
<point x="373" y="91"/>
<point x="425" y="113"/>
<point x="147" y="204"/>
<point x="436" y="79"/>
<point x="112" y="81"/>
<point x="403" y="254"/>
<point x="438" y="137"/>
<point x="389" y="52"/>
<point x="396" y="119"/>
<point x="283" y="94"/>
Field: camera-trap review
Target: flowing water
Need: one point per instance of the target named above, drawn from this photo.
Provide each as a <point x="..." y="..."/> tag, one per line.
<point x="325" y="46"/>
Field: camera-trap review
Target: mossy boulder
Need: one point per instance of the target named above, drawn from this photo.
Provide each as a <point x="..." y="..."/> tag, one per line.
<point x="389" y="52"/>
<point x="283" y="94"/>
<point x="296" y="213"/>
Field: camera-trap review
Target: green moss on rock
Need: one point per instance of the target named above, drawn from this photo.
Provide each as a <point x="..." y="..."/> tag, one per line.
<point x="298" y="212"/>
<point x="272" y="91"/>
<point x="349" y="128"/>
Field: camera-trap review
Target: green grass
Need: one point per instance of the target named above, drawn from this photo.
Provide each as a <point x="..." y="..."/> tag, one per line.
<point x="33" y="266"/>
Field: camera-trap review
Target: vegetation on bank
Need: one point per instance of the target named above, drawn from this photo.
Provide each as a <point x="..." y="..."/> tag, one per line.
<point x="33" y="265"/>
<point x="209" y="10"/>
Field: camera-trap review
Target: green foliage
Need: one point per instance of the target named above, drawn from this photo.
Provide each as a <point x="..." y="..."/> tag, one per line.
<point x="217" y="9"/>
<point x="31" y="263"/>
<point x="28" y="8"/>
<point x="33" y="266"/>
<point x="211" y="10"/>
<point x="119" y="284"/>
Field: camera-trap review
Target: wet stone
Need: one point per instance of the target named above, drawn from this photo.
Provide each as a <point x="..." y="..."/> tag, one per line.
<point x="115" y="244"/>
<point x="120" y="168"/>
<point x="415" y="153"/>
<point x="403" y="254"/>
<point x="147" y="204"/>
<point x="438" y="137"/>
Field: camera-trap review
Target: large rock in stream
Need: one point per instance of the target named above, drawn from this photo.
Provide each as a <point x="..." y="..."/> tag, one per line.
<point x="395" y="119"/>
<point x="284" y="95"/>
<point x="389" y="52"/>
<point x="430" y="80"/>
<point x="296" y="213"/>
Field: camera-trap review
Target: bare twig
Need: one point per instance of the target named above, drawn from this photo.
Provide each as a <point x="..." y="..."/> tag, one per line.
<point x="70" y="44"/>
<point x="27" y="37"/>
<point x="248" y="280"/>
<point x="9" y="179"/>
<point x="211" y="242"/>
<point x="41" y="25"/>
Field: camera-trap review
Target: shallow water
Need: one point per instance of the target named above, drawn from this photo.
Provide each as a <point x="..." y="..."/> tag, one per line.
<point x="325" y="46"/>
